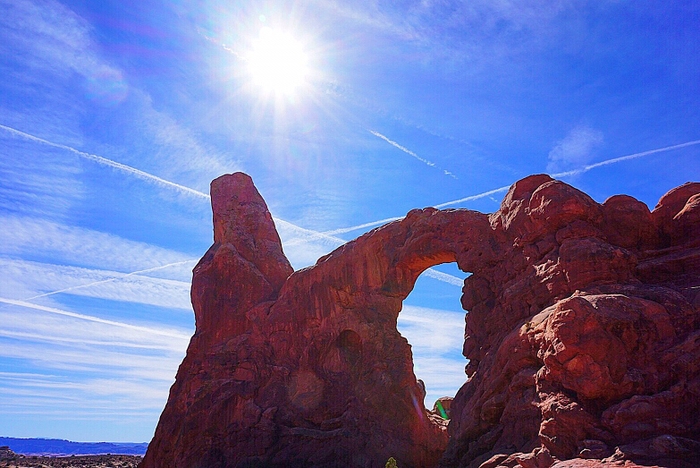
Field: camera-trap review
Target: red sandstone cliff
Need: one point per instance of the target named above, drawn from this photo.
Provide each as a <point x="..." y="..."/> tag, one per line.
<point x="583" y="336"/>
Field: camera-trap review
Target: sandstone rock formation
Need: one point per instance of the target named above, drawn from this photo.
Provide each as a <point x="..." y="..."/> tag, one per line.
<point x="582" y="334"/>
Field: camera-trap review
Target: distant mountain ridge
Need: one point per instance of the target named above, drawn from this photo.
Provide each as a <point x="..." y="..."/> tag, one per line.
<point x="60" y="447"/>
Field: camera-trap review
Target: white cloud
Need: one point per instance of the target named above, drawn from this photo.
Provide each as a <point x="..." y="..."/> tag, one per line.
<point x="362" y="226"/>
<point x="91" y="398"/>
<point x="96" y="358"/>
<point x="432" y="330"/>
<point x="31" y="237"/>
<point x="498" y="30"/>
<point x="140" y="333"/>
<point x="36" y="183"/>
<point x="435" y="335"/>
<point x="198" y="162"/>
<point x="56" y="43"/>
<point x="443" y="376"/>
<point x="576" y="149"/>
<point x="304" y="246"/>
<point x="85" y="367"/>
<point x="52" y="37"/>
<point x="26" y="280"/>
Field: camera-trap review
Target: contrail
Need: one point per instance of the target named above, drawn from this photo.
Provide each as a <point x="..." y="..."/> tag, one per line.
<point x="444" y="277"/>
<point x="409" y="152"/>
<point x="91" y="318"/>
<point x="402" y="148"/>
<point x="362" y="226"/>
<point x="625" y="158"/>
<point x="441" y="205"/>
<point x="474" y="197"/>
<point x="108" y="280"/>
<point x="108" y="162"/>
<point x="506" y="187"/>
<point x="330" y="235"/>
<point x="327" y="235"/>
<point x="312" y="235"/>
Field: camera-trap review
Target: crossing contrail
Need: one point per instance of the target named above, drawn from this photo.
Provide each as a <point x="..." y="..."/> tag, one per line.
<point x="311" y="235"/>
<point x="505" y="188"/>
<point x="307" y="234"/>
<point x="108" y="280"/>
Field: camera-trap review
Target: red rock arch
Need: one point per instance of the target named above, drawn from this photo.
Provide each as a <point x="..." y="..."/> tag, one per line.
<point x="308" y="369"/>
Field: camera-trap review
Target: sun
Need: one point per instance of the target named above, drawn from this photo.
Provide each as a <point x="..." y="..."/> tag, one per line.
<point x="277" y="63"/>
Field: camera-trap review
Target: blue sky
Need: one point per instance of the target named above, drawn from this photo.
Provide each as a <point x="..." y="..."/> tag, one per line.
<point x="116" y="115"/>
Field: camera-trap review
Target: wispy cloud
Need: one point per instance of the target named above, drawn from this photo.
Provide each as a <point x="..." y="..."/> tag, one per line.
<point x="198" y="161"/>
<point x="50" y="36"/>
<point x="304" y="246"/>
<point x="60" y="343"/>
<point x="497" y="30"/>
<point x="441" y="205"/>
<point x="85" y="247"/>
<point x="411" y="153"/>
<point x="433" y="329"/>
<point x="83" y="363"/>
<point x="291" y="234"/>
<point x="56" y="45"/>
<point x="434" y="335"/>
<point x="46" y="186"/>
<point x="90" y="318"/>
<point x="402" y="148"/>
<point x="577" y="148"/>
<point x="369" y="16"/>
<point x="153" y="364"/>
<point x="84" y="398"/>
<point x="298" y="235"/>
<point x="41" y="282"/>
<point x="25" y="336"/>
<point x="25" y="280"/>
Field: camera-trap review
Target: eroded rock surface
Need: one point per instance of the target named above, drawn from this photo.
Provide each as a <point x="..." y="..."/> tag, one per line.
<point x="583" y="339"/>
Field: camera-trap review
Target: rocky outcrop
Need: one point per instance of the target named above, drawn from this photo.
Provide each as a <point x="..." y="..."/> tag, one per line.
<point x="582" y="334"/>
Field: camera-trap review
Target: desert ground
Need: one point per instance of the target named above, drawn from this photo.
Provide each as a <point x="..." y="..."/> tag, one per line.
<point x="88" y="461"/>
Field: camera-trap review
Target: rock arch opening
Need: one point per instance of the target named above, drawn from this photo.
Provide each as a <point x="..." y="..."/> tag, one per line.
<point x="432" y="320"/>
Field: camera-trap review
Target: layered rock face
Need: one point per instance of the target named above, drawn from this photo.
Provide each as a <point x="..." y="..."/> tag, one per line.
<point x="582" y="334"/>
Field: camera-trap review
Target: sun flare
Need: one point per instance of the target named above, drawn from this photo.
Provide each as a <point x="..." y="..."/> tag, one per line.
<point x="277" y="63"/>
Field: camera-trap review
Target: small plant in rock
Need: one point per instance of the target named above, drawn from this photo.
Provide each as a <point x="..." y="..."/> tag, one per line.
<point x="391" y="463"/>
